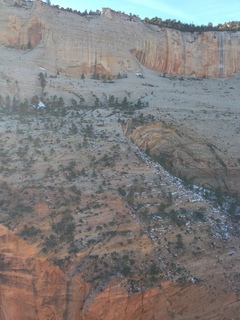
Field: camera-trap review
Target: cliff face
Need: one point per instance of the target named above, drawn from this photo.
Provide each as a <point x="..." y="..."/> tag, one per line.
<point x="165" y="303"/>
<point x="23" y="30"/>
<point x="188" y="156"/>
<point x="108" y="233"/>
<point x="211" y="54"/>
<point x="31" y="288"/>
<point x="111" y="43"/>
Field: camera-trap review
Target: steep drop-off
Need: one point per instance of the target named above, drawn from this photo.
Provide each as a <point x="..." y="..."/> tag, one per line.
<point x="98" y="229"/>
<point x="187" y="155"/>
<point x="31" y="288"/>
<point x="112" y="42"/>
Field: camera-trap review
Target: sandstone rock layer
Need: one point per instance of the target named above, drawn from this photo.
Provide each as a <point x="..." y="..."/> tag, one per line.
<point x="189" y="157"/>
<point x="31" y="288"/>
<point x="112" y="43"/>
<point x="54" y="40"/>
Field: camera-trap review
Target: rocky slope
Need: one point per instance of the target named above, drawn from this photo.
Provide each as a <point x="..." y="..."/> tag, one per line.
<point x="33" y="289"/>
<point x="100" y="231"/>
<point x="112" y="43"/>
<point x="91" y="227"/>
<point x="188" y="155"/>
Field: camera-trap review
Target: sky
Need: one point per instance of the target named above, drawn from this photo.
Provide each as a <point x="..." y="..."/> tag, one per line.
<point x="187" y="11"/>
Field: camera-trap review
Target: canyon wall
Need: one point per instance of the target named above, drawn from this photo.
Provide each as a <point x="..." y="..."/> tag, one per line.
<point x="31" y="288"/>
<point x="111" y="43"/>
<point x="60" y="41"/>
<point x="190" y="157"/>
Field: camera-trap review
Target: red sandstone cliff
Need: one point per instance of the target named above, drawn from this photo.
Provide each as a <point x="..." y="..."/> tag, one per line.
<point x="31" y="288"/>
<point x="111" y="43"/>
<point x="187" y="155"/>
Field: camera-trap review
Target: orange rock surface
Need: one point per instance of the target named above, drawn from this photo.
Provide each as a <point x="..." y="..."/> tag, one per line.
<point x="31" y="288"/>
<point x="110" y="43"/>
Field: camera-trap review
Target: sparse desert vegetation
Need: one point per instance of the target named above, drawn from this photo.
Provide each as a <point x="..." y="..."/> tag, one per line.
<point x="77" y="187"/>
<point x="119" y="185"/>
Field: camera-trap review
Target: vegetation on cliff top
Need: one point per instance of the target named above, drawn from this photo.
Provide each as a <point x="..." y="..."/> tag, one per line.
<point x="186" y="27"/>
<point x="168" y="23"/>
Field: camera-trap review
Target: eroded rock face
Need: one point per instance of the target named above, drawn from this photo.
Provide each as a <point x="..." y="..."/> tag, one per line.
<point x="166" y="302"/>
<point x="31" y="288"/>
<point x="113" y="43"/>
<point x="19" y="30"/>
<point x="189" y="157"/>
<point x="211" y="54"/>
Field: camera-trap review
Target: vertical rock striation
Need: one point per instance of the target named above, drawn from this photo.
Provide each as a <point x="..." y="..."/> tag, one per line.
<point x="112" y="43"/>
<point x="31" y="288"/>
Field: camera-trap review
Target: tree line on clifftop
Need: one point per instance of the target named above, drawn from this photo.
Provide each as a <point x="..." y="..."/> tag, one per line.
<point x="168" y="23"/>
<point x="185" y="27"/>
